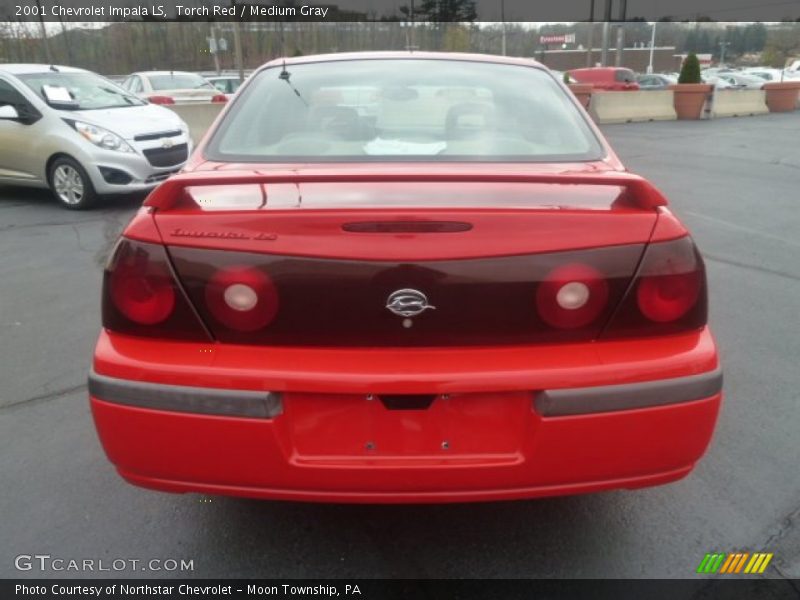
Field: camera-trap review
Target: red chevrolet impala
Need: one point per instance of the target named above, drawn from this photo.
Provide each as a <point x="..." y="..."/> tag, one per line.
<point x="395" y="277"/>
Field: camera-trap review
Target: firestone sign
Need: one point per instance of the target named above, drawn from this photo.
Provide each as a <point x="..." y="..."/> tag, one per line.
<point x="568" y="38"/>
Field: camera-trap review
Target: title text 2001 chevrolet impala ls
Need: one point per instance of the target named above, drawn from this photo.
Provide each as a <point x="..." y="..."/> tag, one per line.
<point x="404" y="278"/>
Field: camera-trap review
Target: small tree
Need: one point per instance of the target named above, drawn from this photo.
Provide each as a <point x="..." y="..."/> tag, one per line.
<point x="690" y="70"/>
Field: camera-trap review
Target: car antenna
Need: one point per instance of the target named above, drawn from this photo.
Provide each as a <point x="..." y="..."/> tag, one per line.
<point x="285" y="75"/>
<point x="54" y="69"/>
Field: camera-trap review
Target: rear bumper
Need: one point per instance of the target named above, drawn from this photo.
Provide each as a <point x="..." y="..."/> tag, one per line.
<point x="638" y="422"/>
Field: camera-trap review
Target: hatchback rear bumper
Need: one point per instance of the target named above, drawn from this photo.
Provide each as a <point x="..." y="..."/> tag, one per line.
<point x="642" y="421"/>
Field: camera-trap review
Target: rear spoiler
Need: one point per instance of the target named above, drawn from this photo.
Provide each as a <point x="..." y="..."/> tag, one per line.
<point x="638" y="191"/>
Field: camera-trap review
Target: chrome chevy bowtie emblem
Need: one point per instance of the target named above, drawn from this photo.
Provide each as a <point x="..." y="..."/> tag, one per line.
<point x="167" y="143"/>
<point x="408" y="303"/>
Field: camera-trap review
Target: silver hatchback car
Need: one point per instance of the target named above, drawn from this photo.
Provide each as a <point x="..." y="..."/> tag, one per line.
<point x="83" y="136"/>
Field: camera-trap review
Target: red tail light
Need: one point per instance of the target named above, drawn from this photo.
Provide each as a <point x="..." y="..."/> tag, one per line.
<point x="242" y="298"/>
<point x="668" y="294"/>
<point x="254" y="298"/>
<point x="161" y="100"/>
<point x="665" y="298"/>
<point x="142" y="297"/>
<point x="142" y="289"/>
<point x="572" y="296"/>
<point x="219" y="98"/>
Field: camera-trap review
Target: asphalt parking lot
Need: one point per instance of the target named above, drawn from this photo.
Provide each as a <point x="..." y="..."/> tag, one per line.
<point x="735" y="182"/>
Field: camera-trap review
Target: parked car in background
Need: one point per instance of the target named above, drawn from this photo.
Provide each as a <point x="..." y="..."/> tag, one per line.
<point x="457" y="293"/>
<point x="606" y="78"/>
<point x="741" y="81"/>
<point x="714" y="71"/>
<point x="770" y="74"/>
<point x="83" y="136"/>
<point x="655" y="81"/>
<point x="717" y="82"/>
<point x="226" y="84"/>
<point x="172" y="87"/>
<point x="765" y="73"/>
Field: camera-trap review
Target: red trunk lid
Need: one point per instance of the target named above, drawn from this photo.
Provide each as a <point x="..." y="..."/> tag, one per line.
<point x="327" y="252"/>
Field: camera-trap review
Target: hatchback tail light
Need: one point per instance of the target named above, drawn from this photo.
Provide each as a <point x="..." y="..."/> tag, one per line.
<point x="668" y="294"/>
<point x="161" y="100"/>
<point x="219" y="98"/>
<point x="142" y="297"/>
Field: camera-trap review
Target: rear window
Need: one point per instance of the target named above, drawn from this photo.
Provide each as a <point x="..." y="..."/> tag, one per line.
<point x="624" y="75"/>
<point x="398" y="109"/>
<point x="178" y="81"/>
<point x="226" y="85"/>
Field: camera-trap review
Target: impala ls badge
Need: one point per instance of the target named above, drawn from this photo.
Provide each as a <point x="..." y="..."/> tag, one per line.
<point x="408" y="303"/>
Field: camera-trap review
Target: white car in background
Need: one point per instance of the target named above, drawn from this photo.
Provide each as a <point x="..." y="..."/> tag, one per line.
<point x="717" y="82"/>
<point x="172" y="87"/>
<point x="226" y="84"/>
<point x="710" y="72"/>
<point x="83" y="136"/>
<point x="742" y="81"/>
<point x="766" y="73"/>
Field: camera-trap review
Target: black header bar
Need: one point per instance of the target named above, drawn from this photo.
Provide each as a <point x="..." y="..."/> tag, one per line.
<point x="395" y="10"/>
<point x="700" y="588"/>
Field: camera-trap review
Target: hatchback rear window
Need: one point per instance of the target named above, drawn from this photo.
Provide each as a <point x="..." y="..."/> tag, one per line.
<point x="624" y="75"/>
<point x="398" y="109"/>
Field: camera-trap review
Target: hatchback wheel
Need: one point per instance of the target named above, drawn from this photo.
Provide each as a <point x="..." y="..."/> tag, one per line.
<point x="71" y="184"/>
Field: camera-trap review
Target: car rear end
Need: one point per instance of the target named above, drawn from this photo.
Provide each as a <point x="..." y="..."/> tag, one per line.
<point x="625" y="80"/>
<point x="180" y="87"/>
<point x="609" y="79"/>
<point x="408" y="332"/>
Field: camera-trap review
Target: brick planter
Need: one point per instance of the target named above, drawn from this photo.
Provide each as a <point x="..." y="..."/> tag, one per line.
<point x="690" y="99"/>
<point x="782" y="95"/>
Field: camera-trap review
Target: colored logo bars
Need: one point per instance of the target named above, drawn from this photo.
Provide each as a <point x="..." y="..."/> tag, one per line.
<point x="735" y="562"/>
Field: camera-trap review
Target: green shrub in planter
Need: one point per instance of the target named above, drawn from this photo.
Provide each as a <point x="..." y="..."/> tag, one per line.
<point x="690" y="70"/>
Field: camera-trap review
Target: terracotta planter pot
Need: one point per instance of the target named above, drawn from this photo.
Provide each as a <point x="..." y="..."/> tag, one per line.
<point x="690" y="99"/>
<point x="583" y="92"/>
<point x="782" y="95"/>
